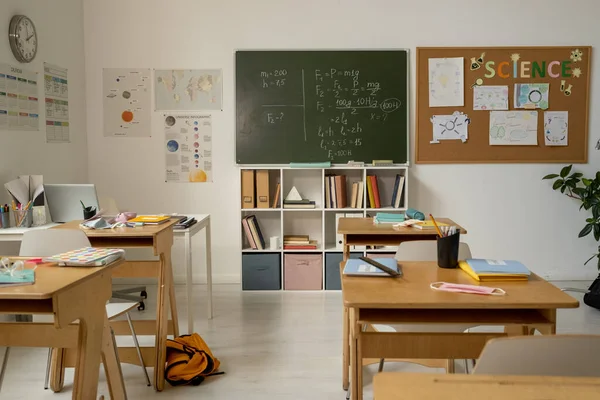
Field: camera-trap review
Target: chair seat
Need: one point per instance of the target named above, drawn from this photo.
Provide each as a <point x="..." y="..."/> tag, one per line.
<point x="113" y="310"/>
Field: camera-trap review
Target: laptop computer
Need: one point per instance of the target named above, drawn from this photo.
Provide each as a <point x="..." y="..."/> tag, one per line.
<point x="64" y="200"/>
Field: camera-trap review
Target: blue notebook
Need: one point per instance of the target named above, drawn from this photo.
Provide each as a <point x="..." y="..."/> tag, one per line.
<point x="356" y="267"/>
<point x="20" y="278"/>
<point x="482" y="266"/>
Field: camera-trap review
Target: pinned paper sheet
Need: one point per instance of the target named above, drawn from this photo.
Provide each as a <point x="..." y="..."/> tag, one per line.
<point x="446" y="82"/>
<point x="531" y="95"/>
<point x="556" y="128"/>
<point x="513" y="128"/>
<point x="450" y="127"/>
<point x="490" y="98"/>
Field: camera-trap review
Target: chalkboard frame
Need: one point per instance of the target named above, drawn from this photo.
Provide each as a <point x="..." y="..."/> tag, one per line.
<point x="408" y="100"/>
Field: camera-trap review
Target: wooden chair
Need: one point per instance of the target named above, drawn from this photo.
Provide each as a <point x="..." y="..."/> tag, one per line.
<point x="542" y="355"/>
<point x="45" y="243"/>
<point x="424" y="250"/>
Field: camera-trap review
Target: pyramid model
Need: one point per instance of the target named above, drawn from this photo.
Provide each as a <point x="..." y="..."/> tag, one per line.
<point x="293" y="195"/>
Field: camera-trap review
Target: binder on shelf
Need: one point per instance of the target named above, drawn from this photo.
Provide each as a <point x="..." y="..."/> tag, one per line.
<point x="262" y="188"/>
<point x="248" y="200"/>
<point x="339" y="238"/>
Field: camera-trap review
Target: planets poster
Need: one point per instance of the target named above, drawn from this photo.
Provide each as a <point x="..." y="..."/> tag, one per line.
<point x="188" y="147"/>
<point x="127" y="101"/>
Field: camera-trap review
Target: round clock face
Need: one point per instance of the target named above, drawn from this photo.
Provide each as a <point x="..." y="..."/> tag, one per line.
<point x="23" y="38"/>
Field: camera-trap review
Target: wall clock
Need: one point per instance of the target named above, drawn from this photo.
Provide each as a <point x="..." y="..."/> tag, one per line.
<point x="23" y="38"/>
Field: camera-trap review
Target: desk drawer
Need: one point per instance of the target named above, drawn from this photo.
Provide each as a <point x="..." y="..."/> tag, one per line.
<point x="332" y="269"/>
<point x="261" y="271"/>
<point x="303" y="272"/>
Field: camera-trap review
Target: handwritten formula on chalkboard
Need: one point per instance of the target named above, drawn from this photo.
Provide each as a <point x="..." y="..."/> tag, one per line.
<point x="311" y="106"/>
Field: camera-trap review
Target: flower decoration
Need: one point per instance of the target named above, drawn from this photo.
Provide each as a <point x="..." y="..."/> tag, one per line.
<point x="577" y="72"/>
<point x="515" y="57"/>
<point x="576" y="55"/>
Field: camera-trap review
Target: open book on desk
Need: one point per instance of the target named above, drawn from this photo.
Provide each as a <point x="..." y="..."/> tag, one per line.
<point x="358" y="267"/>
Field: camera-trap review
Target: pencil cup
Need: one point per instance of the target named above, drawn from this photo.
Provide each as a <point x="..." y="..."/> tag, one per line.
<point x="89" y="212"/>
<point x="5" y="220"/>
<point x="447" y="248"/>
<point x="23" y="218"/>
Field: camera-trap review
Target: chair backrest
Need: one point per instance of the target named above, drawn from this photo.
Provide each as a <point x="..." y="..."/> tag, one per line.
<point x="48" y="242"/>
<point x="550" y="355"/>
<point x="426" y="250"/>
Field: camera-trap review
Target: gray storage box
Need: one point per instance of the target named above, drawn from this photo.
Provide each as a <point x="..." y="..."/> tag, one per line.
<point x="332" y="269"/>
<point x="261" y="271"/>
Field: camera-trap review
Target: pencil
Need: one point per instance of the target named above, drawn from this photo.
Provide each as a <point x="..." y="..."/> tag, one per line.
<point x="436" y="225"/>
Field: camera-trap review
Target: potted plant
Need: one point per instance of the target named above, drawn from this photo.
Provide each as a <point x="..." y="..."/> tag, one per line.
<point x="586" y="191"/>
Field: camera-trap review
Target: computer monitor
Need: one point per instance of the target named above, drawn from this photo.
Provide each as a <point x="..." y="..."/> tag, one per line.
<point x="64" y="200"/>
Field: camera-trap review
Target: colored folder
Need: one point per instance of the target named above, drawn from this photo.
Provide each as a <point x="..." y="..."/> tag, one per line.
<point x="494" y="270"/>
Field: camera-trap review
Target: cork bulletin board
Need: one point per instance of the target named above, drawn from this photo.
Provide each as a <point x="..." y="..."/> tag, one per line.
<point x="502" y="104"/>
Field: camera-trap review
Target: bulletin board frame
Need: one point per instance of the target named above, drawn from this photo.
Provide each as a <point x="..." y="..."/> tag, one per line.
<point x="552" y="64"/>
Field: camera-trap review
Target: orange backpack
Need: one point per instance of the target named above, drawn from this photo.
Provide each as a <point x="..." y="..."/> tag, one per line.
<point x="189" y="360"/>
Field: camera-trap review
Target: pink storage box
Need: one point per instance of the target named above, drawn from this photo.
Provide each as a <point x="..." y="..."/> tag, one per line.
<point x="303" y="272"/>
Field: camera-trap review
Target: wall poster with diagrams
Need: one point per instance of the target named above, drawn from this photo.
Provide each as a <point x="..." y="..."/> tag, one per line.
<point x="56" y="94"/>
<point x="127" y="99"/>
<point x="188" y="148"/>
<point x="19" y="102"/>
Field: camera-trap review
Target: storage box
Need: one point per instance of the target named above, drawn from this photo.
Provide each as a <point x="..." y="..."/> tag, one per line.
<point x="261" y="271"/>
<point x="332" y="269"/>
<point x="303" y="271"/>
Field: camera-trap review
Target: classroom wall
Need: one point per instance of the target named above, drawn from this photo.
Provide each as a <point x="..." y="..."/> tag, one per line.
<point x="508" y="210"/>
<point x="59" y="26"/>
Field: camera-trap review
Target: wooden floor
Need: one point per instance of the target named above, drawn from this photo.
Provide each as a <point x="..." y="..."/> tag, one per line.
<point x="272" y="345"/>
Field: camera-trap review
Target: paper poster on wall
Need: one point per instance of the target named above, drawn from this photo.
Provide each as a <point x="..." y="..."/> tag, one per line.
<point x="513" y="128"/>
<point x="450" y="127"/>
<point x="188" y="148"/>
<point x="127" y="100"/>
<point x="556" y="128"/>
<point x="19" y="102"/>
<point x="56" y="96"/>
<point x="531" y="95"/>
<point x="446" y="82"/>
<point x="490" y="97"/>
<point x="188" y="89"/>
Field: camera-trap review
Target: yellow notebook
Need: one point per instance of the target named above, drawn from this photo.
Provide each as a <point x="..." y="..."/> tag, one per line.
<point x="428" y="225"/>
<point x="490" y="277"/>
<point x="150" y="219"/>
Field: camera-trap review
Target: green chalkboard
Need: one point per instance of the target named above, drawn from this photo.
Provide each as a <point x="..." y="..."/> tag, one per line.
<point x="321" y="105"/>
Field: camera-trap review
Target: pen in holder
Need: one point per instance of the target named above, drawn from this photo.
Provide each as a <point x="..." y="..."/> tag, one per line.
<point x="23" y="218"/>
<point x="4" y="218"/>
<point x="447" y="250"/>
<point x="88" y="212"/>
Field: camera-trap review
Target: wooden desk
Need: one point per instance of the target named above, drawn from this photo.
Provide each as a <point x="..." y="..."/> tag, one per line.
<point x="363" y="232"/>
<point x="408" y="386"/>
<point x="70" y="294"/>
<point x="410" y="300"/>
<point x="159" y="238"/>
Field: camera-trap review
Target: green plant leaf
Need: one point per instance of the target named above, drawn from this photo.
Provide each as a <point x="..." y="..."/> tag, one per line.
<point x="557" y="184"/>
<point x="589" y="220"/>
<point x="571" y="183"/>
<point x="586" y="230"/>
<point x="565" y="171"/>
<point x="550" y="176"/>
<point x="596" y="212"/>
<point x="586" y="182"/>
<point x="591" y="258"/>
<point x="576" y="175"/>
<point x="579" y="191"/>
<point x="597" y="232"/>
<point x="598" y="176"/>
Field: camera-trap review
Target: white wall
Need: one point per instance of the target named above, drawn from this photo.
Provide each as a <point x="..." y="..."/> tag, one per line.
<point x="508" y="210"/>
<point x="60" y="37"/>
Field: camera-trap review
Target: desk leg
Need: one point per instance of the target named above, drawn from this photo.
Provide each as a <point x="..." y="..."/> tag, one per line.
<point x="112" y="365"/>
<point x="209" y="270"/>
<point x="89" y="351"/>
<point x="353" y="357"/>
<point x="345" y="350"/>
<point x="172" y="299"/>
<point x="164" y="287"/>
<point x="188" y="283"/>
<point x="57" y="370"/>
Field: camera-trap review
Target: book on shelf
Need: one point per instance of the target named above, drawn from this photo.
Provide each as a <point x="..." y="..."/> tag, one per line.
<point x="374" y="196"/>
<point x="276" y="198"/>
<point x="336" y="192"/>
<point x="253" y="233"/>
<point x="299" y="204"/>
<point x="309" y="245"/>
<point x="397" y="193"/>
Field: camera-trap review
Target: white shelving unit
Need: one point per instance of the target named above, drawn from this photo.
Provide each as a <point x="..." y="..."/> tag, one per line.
<point x="319" y="223"/>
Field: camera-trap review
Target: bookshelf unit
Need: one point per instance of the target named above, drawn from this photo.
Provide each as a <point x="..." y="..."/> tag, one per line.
<point x="268" y="265"/>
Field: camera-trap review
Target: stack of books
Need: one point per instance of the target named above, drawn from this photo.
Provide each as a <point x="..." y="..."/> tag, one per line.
<point x="373" y="192"/>
<point x="484" y="270"/>
<point x="302" y="204"/>
<point x="388" y="218"/>
<point x="253" y="233"/>
<point x="298" y="242"/>
<point x="184" y="222"/>
<point x="150" y="219"/>
<point x="335" y="191"/>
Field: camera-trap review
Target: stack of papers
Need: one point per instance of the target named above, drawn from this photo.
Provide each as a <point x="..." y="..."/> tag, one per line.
<point x="388" y="218"/>
<point x="484" y="270"/>
<point x="357" y="267"/>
